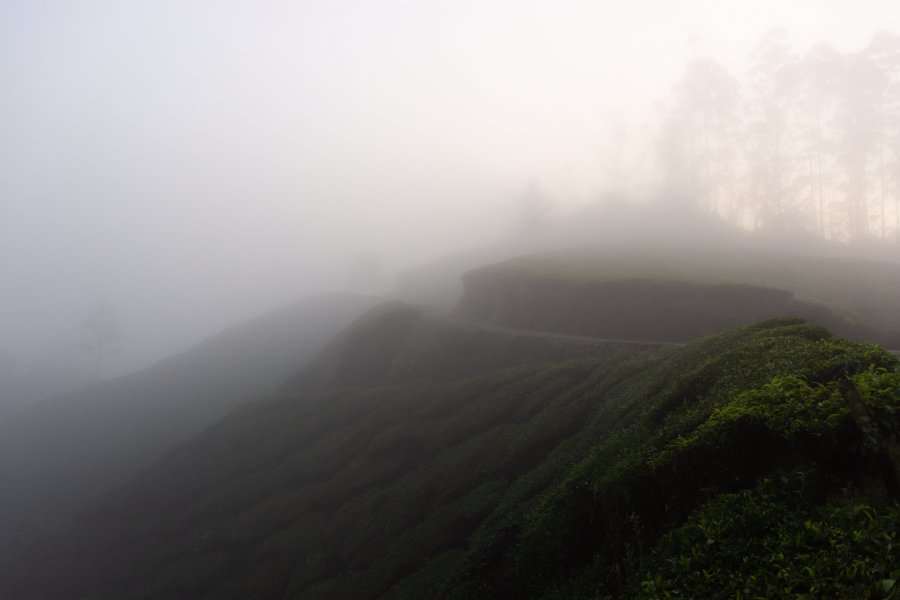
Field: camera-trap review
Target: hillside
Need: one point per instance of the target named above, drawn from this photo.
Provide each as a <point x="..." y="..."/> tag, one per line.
<point x="59" y="455"/>
<point x="662" y="293"/>
<point x="396" y="342"/>
<point x="760" y="462"/>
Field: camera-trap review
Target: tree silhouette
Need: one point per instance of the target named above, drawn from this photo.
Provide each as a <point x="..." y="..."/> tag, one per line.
<point x="805" y="143"/>
<point x="884" y="53"/>
<point x="818" y="75"/>
<point x="697" y="145"/>
<point x="858" y="123"/>
<point x="769" y="148"/>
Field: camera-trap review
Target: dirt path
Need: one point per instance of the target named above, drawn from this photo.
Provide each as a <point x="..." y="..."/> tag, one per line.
<point x="650" y="344"/>
<point x="457" y="322"/>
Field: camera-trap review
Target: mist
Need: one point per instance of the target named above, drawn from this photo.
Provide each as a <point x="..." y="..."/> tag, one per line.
<point x="449" y="299"/>
<point x="193" y="164"/>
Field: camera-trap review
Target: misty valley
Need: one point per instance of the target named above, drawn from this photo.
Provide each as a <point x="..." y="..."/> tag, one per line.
<point x="449" y="301"/>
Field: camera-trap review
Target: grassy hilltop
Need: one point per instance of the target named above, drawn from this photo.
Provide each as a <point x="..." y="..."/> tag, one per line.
<point x="678" y="294"/>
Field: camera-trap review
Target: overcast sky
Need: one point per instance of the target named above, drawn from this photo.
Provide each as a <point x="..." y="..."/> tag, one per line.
<point x="196" y="162"/>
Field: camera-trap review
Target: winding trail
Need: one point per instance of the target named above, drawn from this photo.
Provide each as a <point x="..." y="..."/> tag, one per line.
<point x="456" y="321"/>
<point x="452" y="319"/>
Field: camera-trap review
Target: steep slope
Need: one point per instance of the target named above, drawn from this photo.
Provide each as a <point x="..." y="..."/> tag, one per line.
<point x="396" y="342"/>
<point x="679" y="294"/>
<point x="625" y="475"/>
<point x="57" y="456"/>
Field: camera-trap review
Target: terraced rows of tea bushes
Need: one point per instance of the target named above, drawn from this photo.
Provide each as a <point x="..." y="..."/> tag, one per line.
<point x="754" y="463"/>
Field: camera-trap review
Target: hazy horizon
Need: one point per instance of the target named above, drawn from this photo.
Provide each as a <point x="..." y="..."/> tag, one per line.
<point x="197" y="163"/>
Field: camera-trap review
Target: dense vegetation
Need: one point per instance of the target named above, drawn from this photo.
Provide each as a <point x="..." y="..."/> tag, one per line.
<point x="755" y="463"/>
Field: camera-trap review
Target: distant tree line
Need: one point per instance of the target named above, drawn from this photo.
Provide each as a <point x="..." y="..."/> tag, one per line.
<point x="803" y="143"/>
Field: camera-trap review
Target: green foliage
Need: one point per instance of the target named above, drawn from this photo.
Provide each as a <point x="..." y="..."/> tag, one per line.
<point x="879" y="389"/>
<point x="742" y="465"/>
<point x="786" y="404"/>
<point x="773" y="542"/>
<point x="739" y="406"/>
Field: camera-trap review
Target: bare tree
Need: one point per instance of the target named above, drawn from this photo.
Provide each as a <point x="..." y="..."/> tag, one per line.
<point x="818" y="74"/>
<point x="884" y="52"/>
<point x="769" y="145"/>
<point x="857" y="123"/>
<point x="697" y="142"/>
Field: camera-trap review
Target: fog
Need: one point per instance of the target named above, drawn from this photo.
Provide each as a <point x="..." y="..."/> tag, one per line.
<point x="195" y="163"/>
